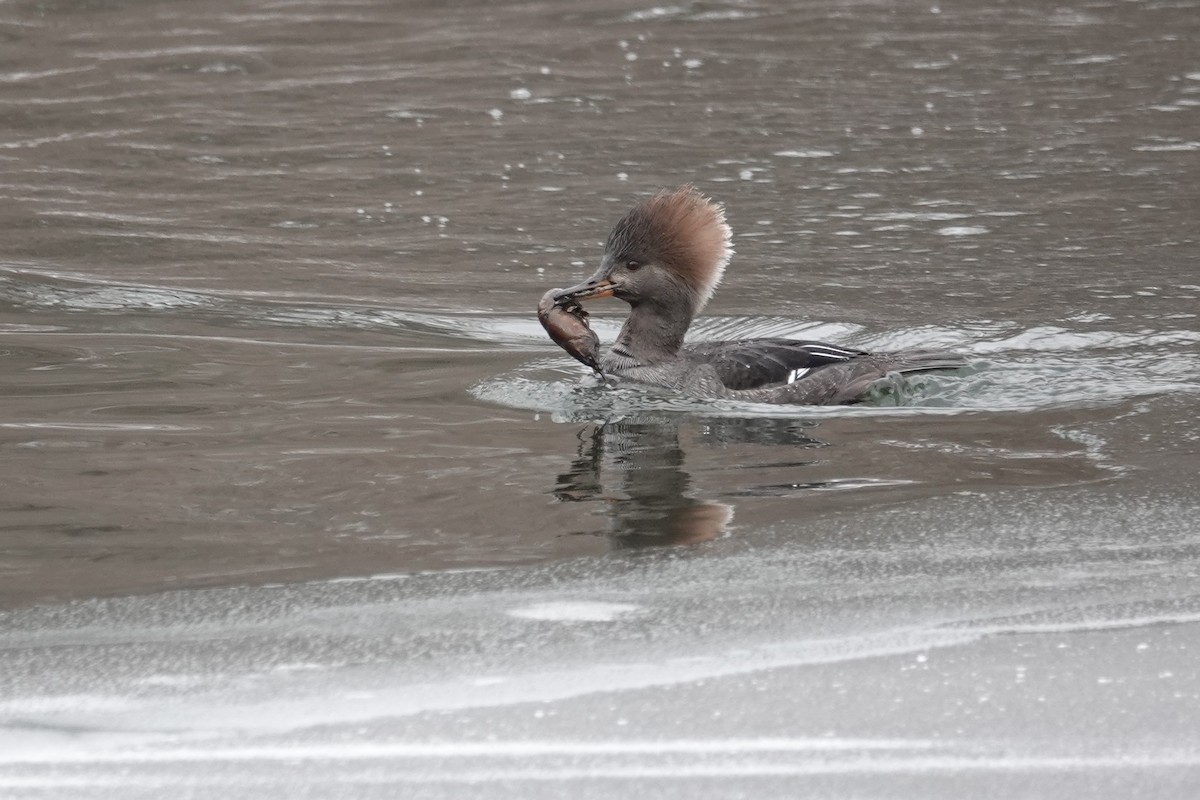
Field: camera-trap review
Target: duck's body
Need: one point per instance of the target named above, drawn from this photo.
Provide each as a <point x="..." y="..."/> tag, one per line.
<point x="781" y="371"/>
<point x="665" y="258"/>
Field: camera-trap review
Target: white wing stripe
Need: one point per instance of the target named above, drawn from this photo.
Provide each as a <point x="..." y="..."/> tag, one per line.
<point x="796" y="374"/>
<point x="831" y="352"/>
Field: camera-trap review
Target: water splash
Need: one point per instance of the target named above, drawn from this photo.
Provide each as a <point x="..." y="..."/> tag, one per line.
<point x="1010" y="370"/>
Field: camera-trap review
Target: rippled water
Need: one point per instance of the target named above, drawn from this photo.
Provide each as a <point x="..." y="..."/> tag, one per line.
<point x="267" y="283"/>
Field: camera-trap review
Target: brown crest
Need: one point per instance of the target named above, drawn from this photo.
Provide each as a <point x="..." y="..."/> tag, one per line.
<point x="682" y="230"/>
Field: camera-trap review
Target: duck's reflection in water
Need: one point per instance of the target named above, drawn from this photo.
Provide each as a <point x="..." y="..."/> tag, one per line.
<point x="636" y="469"/>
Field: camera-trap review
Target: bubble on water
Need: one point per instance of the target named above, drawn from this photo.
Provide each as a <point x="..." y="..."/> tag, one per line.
<point x="496" y="114"/>
<point x="520" y="94"/>
<point x="922" y="216"/>
<point x="655" y="12"/>
<point x="810" y="153"/>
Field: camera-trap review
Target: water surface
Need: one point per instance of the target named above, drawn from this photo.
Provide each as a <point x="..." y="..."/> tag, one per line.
<point x="266" y="326"/>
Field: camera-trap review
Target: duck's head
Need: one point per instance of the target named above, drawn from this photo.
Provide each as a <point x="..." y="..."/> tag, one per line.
<point x="670" y="250"/>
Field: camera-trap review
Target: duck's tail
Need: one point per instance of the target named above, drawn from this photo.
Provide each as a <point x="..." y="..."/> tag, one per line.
<point x="922" y="361"/>
<point x="881" y="365"/>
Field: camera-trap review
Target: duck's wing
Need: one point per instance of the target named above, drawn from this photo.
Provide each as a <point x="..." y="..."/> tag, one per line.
<point x="848" y="381"/>
<point x="754" y="363"/>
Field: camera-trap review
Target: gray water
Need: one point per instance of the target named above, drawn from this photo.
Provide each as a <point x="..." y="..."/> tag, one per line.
<point x="297" y="499"/>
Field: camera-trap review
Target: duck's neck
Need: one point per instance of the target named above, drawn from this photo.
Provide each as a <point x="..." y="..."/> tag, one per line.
<point x="653" y="333"/>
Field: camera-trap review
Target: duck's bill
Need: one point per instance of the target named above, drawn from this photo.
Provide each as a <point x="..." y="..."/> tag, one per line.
<point x="588" y="290"/>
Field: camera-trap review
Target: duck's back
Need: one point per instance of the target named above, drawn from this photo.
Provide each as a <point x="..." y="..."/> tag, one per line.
<point x="754" y="363"/>
<point x="788" y="371"/>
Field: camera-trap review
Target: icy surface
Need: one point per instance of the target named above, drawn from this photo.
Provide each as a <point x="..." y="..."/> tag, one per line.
<point x="977" y="653"/>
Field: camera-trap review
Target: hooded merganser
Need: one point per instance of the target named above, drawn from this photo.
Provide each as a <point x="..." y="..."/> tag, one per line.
<point x="665" y="258"/>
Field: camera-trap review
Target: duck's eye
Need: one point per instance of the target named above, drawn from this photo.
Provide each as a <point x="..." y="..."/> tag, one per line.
<point x="633" y="265"/>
